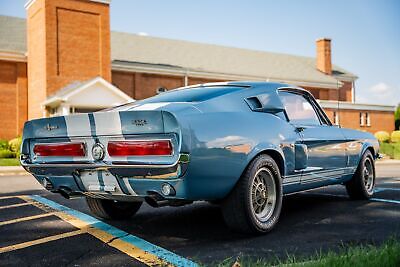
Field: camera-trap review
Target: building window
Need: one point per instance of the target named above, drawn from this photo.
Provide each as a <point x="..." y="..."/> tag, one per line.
<point x="336" y="118"/>
<point x="367" y="119"/>
<point x="161" y="90"/>
<point x="53" y="112"/>
<point x="362" y="120"/>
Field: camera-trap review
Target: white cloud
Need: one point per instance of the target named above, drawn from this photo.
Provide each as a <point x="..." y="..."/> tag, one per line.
<point x="380" y="93"/>
<point x="143" y="34"/>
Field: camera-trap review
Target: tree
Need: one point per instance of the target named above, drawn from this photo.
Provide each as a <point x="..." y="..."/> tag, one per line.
<point x="397" y="118"/>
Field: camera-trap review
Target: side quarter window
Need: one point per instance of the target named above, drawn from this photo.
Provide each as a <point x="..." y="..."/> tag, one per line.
<point x="299" y="110"/>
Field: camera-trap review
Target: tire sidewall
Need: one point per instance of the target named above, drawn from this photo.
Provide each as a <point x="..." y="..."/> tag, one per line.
<point x="360" y="174"/>
<point x="264" y="162"/>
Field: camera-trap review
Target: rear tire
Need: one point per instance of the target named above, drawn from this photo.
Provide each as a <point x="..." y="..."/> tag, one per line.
<point x="255" y="203"/>
<point x="361" y="186"/>
<point x="110" y="209"/>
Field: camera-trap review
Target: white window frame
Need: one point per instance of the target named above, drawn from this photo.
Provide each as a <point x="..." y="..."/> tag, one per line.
<point x="367" y="119"/>
<point x="336" y="118"/>
<point x="362" y="120"/>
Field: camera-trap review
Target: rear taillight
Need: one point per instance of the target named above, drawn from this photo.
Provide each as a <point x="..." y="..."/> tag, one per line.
<point x="60" y="150"/>
<point x="140" y="148"/>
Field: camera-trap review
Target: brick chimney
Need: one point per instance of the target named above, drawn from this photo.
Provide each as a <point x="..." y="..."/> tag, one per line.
<point x="68" y="40"/>
<point x="324" y="61"/>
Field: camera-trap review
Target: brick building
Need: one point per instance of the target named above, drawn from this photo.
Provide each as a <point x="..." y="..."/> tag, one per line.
<point x="64" y="52"/>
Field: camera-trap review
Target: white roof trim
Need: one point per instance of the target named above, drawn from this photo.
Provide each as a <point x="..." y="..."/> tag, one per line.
<point x="212" y="75"/>
<point x="113" y="89"/>
<point x="30" y="2"/>
<point x="354" y="106"/>
<point x="84" y="86"/>
<point x="13" y="56"/>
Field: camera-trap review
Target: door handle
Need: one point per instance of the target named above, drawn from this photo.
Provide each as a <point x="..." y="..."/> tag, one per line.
<point x="300" y="129"/>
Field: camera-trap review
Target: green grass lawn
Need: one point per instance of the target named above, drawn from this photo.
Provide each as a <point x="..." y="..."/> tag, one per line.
<point x="9" y="162"/>
<point x="386" y="255"/>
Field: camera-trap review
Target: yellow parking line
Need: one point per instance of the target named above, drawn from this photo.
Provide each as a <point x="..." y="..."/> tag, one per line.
<point x="129" y="249"/>
<point x="24" y="219"/>
<point x="125" y="247"/>
<point x="8" y="197"/>
<point x="14" y="205"/>
<point x="40" y="241"/>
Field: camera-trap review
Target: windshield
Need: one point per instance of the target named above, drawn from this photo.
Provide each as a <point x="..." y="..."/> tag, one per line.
<point x="196" y="94"/>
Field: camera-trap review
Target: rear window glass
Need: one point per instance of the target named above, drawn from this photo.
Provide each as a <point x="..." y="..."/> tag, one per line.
<point x="196" y="94"/>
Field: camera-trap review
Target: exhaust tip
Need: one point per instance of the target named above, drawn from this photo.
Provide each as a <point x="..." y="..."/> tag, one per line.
<point x="47" y="184"/>
<point x="156" y="200"/>
<point x="68" y="193"/>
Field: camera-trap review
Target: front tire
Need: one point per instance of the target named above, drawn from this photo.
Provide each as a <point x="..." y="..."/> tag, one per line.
<point x="111" y="209"/>
<point x="255" y="203"/>
<point x="361" y="186"/>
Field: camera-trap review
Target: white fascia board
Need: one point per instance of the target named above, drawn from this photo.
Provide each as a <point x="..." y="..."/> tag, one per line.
<point x="30" y="2"/>
<point x="108" y="85"/>
<point x="13" y="56"/>
<point x="212" y="75"/>
<point x="354" y="106"/>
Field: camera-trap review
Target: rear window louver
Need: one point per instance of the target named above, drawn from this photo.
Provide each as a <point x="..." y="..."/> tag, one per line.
<point x="254" y="103"/>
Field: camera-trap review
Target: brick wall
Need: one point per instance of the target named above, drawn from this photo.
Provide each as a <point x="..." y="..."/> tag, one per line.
<point x="344" y="93"/>
<point x="68" y="40"/>
<point x="13" y="98"/>
<point x="143" y="85"/>
<point x="379" y="120"/>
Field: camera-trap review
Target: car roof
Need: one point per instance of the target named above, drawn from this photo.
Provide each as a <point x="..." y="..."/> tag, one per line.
<point x="250" y="84"/>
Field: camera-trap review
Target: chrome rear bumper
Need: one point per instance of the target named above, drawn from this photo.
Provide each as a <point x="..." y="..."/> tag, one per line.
<point x="120" y="169"/>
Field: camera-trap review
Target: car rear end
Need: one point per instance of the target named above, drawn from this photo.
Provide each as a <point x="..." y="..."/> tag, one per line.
<point x="120" y="155"/>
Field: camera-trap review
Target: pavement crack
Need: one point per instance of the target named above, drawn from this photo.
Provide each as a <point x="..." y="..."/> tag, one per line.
<point x="116" y="237"/>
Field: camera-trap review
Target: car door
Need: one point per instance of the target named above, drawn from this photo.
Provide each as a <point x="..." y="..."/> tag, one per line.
<point x="325" y="144"/>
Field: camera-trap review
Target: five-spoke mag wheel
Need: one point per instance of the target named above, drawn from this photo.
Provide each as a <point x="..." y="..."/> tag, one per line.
<point x="255" y="203"/>
<point x="362" y="184"/>
<point x="263" y="194"/>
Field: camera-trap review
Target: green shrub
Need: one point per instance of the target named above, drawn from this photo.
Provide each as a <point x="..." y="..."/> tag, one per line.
<point x="382" y="136"/>
<point x="395" y="137"/>
<point x="396" y="149"/>
<point x="15" y="144"/>
<point x="390" y="149"/>
<point x="7" y="154"/>
<point x="3" y="144"/>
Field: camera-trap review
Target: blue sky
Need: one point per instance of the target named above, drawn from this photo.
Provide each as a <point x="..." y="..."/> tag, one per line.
<point x="365" y="33"/>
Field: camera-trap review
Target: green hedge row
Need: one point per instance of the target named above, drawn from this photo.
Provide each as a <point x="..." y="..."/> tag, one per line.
<point x="385" y="137"/>
<point x="10" y="149"/>
<point x="390" y="149"/>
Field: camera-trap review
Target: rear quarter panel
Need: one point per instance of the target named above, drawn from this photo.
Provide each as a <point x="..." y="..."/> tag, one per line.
<point x="224" y="143"/>
<point x="357" y="143"/>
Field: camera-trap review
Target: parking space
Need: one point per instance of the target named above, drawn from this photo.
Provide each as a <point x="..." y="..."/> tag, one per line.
<point x="42" y="229"/>
<point x="52" y="233"/>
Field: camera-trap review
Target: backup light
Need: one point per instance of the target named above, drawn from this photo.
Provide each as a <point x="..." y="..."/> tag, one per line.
<point x="60" y="150"/>
<point x="140" y="148"/>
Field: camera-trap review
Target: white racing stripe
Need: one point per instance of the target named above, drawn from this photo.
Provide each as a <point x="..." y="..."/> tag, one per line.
<point x="90" y="180"/>
<point x="78" y="125"/>
<point x="151" y="106"/>
<point x="129" y="187"/>
<point x="109" y="181"/>
<point x="107" y="123"/>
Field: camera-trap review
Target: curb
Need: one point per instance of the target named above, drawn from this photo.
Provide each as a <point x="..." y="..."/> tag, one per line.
<point x="388" y="162"/>
<point x="12" y="170"/>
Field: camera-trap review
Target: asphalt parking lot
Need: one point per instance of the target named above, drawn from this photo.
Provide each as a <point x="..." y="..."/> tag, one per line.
<point x="38" y="228"/>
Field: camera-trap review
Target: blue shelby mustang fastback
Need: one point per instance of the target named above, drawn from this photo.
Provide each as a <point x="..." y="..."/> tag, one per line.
<point x="242" y="145"/>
